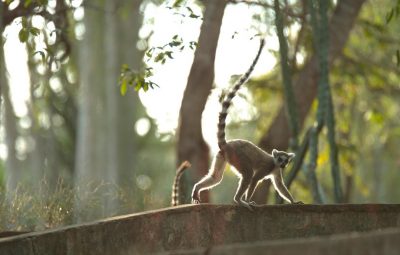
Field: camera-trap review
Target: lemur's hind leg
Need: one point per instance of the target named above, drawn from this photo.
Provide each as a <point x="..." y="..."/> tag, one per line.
<point x="252" y="187"/>
<point x="213" y="178"/>
<point x="243" y="185"/>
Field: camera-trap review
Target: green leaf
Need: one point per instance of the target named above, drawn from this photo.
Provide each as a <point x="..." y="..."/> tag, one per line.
<point x="159" y="57"/>
<point x="148" y="72"/>
<point x="189" y="9"/>
<point x="124" y="87"/>
<point x="125" y="68"/>
<point x="34" y="31"/>
<point x="23" y="35"/>
<point x="169" y="54"/>
<point x="193" y="44"/>
<point x="154" y="85"/>
<point x="174" y="43"/>
<point x="27" y="3"/>
<point x="389" y="16"/>
<point x="138" y="85"/>
<point x="177" y="3"/>
<point x="145" y="86"/>
<point x="193" y="16"/>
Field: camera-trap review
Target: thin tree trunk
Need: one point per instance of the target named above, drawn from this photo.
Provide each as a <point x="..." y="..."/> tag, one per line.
<point x="111" y="69"/>
<point x="329" y="114"/>
<point x="287" y="78"/>
<point x="90" y="168"/>
<point x="2" y="60"/>
<point x="320" y="46"/>
<point x="305" y="87"/>
<point x="106" y="141"/>
<point x="13" y="166"/>
<point x="122" y="111"/>
<point x="312" y="166"/>
<point x="129" y="107"/>
<point x="191" y="144"/>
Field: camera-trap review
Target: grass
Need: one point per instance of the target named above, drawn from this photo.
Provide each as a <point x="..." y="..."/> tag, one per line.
<point x="49" y="207"/>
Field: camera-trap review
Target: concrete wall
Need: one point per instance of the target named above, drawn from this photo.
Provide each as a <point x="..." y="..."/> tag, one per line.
<point x="382" y="242"/>
<point x="195" y="226"/>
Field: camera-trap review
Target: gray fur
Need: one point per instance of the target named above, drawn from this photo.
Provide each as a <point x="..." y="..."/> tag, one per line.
<point x="252" y="164"/>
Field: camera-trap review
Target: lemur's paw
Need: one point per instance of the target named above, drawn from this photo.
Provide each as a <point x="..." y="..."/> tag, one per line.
<point x="195" y="197"/>
<point x="253" y="203"/>
<point x="195" y="200"/>
<point x="244" y="204"/>
<point x="248" y="206"/>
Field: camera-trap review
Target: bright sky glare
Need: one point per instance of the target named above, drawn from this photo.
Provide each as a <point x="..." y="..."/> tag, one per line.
<point x="233" y="57"/>
<point x="16" y="61"/>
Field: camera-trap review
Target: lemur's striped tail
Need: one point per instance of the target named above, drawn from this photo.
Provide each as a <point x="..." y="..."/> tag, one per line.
<point x="227" y="102"/>
<point x="175" y="187"/>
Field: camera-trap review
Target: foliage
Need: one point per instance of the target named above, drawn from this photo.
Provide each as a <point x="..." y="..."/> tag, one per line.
<point x="365" y="94"/>
<point x="27" y="30"/>
<point x="325" y="114"/>
<point x="141" y="79"/>
<point x="394" y="13"/>
<point x="56" y="16"/>
<point x="286" y="77"/>
<point x="364" y="85"/>
<point x="138" y="80"/>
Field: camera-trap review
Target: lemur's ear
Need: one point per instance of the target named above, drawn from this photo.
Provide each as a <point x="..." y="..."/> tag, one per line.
<point x="274" y="153"/>
<point x="291" y="155"/>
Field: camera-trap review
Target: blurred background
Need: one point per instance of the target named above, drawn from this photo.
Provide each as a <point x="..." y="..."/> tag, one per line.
<point x="102" y="100"/>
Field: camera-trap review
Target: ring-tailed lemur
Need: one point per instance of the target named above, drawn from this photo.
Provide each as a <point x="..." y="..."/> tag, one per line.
<point x="175" y="186"/>
<point x="252" y="163"/>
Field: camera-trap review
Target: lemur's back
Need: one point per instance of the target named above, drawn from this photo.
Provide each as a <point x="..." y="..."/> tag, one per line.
<point x="243" y="154"/>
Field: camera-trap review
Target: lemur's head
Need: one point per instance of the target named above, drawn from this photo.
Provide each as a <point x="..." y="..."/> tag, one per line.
<point x="282" y="158"/>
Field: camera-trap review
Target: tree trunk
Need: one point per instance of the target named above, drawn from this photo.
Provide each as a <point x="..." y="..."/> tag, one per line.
<point x="286" y="77"/>
<point x="13" y="171"/>
<point x="128" y="108"/>
<point x="191" y="144"/>
<point x="305" y="87"/>
<point x="106" y="139"/>
<point x="89" y="168"/>
<point x="2" y="60"/>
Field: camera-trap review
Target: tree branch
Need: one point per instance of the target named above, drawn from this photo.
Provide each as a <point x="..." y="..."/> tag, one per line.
<point x="305" y="87"/>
